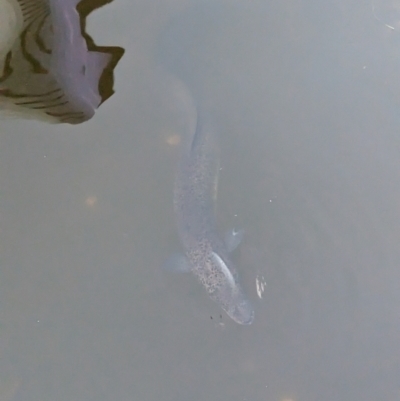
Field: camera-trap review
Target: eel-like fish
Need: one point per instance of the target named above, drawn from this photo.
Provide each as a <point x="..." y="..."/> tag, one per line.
<point x="206" y="254"/>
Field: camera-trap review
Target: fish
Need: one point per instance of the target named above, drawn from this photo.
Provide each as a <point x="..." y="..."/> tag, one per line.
<point x="50" y="68"/>
<point x="206" y="254"/>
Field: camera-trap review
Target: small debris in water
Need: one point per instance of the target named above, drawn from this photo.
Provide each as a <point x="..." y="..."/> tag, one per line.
<point x="261" y="285"/>
<point x="173" y="140"/>
<point x="91" y="201"/>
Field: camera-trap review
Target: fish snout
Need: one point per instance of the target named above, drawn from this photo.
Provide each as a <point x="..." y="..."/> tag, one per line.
<point x="242" y="312"/>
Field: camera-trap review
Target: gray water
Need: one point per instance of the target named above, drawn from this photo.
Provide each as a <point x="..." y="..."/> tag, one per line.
<point x="307" y="100"/>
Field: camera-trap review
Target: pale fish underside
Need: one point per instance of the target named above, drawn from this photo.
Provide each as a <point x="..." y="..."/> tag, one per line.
<point x="50" y="68"/>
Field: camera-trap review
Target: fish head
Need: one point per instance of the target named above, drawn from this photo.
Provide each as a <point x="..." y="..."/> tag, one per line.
<point x="230" y="296"/>
<point x="240" y="310"/>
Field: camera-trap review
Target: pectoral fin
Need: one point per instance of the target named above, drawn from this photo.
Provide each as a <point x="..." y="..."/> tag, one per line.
<point x="177" y="263"/>
<point x="232" y="239"/>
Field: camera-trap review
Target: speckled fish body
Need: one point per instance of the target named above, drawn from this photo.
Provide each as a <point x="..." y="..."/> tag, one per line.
<point x="194" y="205"/>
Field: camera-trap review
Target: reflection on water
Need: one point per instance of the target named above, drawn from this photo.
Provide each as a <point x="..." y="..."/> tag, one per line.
<point x="50" y="68"/>
<point x="387" y="12"/>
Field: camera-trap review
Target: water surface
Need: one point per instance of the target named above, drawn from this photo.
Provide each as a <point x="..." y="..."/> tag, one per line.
<point x="306" y="95"/>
